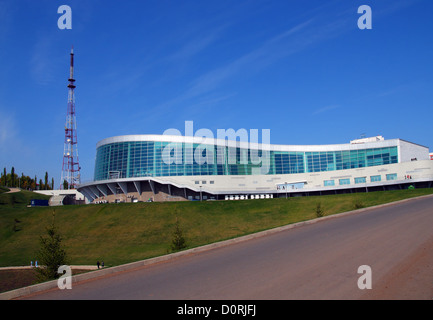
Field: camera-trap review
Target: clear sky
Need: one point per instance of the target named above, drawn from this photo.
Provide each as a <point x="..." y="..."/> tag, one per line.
<point x="302" y="69"/>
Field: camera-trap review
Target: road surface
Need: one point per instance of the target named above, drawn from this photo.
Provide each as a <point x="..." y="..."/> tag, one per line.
<point x="315" y="261"/>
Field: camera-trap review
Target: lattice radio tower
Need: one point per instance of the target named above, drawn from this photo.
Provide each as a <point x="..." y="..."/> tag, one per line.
<point x="71" y="167"/>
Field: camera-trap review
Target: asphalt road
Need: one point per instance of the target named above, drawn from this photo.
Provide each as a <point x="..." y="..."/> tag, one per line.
<point x="316" y="261"/>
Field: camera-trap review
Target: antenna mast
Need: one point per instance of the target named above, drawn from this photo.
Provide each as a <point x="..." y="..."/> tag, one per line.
<point x="71" y="167"/>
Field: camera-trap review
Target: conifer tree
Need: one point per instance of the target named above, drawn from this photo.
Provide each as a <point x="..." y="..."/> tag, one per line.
<point x="51" y="254"/>
<point x="178" y="241"/>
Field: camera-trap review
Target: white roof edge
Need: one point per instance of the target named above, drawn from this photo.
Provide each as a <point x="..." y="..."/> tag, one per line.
<point x="271" y="147"/>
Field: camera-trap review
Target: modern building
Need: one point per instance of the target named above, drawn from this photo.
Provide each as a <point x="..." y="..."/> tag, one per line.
<point x="165" y="168"/>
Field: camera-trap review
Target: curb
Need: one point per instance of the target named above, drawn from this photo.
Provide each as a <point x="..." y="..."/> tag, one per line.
<point x="13" y="294"/>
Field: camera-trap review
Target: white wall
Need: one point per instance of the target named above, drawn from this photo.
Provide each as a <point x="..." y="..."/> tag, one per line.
<point x="78" y="195"/>
<point x="409" y="151"/>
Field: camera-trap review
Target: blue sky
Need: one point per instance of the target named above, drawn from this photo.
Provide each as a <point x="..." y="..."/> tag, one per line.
<point x="302" y="69"/>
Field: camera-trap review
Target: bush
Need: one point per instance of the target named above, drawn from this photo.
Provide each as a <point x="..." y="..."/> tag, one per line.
<point x="319" y="210"/>
<point x="358" y="204"/>
<point x="178" y="241"/>
<point x="16" y="227"/>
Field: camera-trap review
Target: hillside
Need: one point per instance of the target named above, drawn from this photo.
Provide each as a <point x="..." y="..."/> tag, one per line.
<point x="126" y="232"/>
<point x="18" y="199"/>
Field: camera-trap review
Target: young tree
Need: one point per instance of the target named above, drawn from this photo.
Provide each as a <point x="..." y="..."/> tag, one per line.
<point x="33" y="184"/>
<point x="319" y="210"/>
<point x="51" y="254"/>
<point x="13" y="177"/>
<point x="46" y="181"/>
<point x="178" y="241"/>
<point x="25" y="184"/>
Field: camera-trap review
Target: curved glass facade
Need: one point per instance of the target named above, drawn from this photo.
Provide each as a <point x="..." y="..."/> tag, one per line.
<point x="146" y="159"/>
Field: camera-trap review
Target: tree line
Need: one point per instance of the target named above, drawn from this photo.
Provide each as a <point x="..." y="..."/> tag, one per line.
<point x="12" y="180"/>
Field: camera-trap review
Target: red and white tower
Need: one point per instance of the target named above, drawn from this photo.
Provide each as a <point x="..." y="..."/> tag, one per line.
<point x="71" y="167"/>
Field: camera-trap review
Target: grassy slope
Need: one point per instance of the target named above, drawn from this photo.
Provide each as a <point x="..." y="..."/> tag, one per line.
<point x="18" y="199"/>
<point x="4" y="189"/>
<point x="121" y="233"/>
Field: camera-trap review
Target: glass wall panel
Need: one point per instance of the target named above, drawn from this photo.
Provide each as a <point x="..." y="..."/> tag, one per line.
<point x="145" y="158"/>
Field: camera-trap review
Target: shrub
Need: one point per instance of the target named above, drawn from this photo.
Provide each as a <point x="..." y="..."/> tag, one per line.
<point x="178" y="241"/>
<point x="358" y="204"/>
<point x="319" y="210"/>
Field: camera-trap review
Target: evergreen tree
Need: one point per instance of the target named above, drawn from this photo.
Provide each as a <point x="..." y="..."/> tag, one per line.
<point x="12" y="180"/>
<point x="178" y="241"/>
<point x="46" y="181"/>
<point x="51" y="254"/>
<point x="13" y="177"/>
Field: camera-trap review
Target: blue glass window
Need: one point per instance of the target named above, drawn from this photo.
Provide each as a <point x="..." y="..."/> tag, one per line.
<point x="361" y="180"/>
<point x="145" y="158"/>
<point x="375" y="178"/>
<point x="328" y="183"/>
<point x="391" y="176"/>
<point x="344" y="181"/>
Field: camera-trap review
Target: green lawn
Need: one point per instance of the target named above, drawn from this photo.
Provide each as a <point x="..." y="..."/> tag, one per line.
<point x="18" y="199"/>
<point x="126" y="232"/>
<point x="3" y="189"/>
